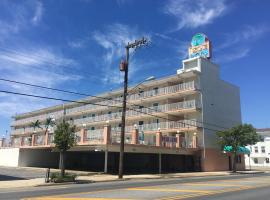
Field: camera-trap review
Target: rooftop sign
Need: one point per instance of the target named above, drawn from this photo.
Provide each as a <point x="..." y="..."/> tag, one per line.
<point x="200" y="46"/>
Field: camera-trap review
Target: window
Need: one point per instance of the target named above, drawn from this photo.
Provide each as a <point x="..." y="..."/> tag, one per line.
<point x="256" y="160"/>
<point x="92" y="128"/>
<point x="155" y="105"/>
<point x="93" y="115"/>
<point x="263" y="149"/>
<point x="84" y="116"/>
<point x="141" y="107"/>
<point x="156" y="91"/>
<point x="267" y="160"/>
<point x="256" y="149"/>
<point x="140" y="122"/>
<point x="141" y="93"/>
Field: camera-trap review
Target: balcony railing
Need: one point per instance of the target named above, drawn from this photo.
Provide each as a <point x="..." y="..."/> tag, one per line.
<point x="94" y="136"/>
<point x="133" y="97"/>
<point x="55" y="115"/>
<point x="139" y="112"/>
<point x="39" y="140"/>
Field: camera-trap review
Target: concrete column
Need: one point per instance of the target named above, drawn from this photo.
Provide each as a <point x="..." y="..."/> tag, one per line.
<point x="2" y="142"/>
<point x="194" y="141"/>
<point x="107" y="134"/>
<point x="106" y="161"/>
<point x="135" y="136"/>
<point x="22" y="141"/>
<point x="159" y="139"/>
<point x="46" y="142"/>
<point x="82" y="135"/>
<point x="33" y="140"/>
<point x="159" y="163"/>
<point x="178" y="141"/>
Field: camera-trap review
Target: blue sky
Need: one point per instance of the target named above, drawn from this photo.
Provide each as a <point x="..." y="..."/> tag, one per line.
<point x="77" y="45"/>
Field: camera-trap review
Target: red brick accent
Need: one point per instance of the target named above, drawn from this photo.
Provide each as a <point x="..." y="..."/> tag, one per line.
<point x="107" y="134"/>
<point x="82" y="135"/>
<point x="135" y="136"/>
<point x="159" y="139"/>
<point x="178" y="141"/>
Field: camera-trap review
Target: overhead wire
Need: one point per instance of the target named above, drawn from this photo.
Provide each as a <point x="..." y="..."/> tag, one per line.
<point x="94" y="96"/>
<point x="86" y="103"/>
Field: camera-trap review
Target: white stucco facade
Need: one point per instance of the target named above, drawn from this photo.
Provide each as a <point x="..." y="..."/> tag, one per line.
<point x="9" y="157"/>
<point x="260" y="152"/>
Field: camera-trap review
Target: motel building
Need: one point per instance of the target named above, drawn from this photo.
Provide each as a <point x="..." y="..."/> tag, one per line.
<point x="170" y="124"/>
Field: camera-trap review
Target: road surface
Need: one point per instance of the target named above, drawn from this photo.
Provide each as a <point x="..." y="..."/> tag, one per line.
<point x="235" y="187"/>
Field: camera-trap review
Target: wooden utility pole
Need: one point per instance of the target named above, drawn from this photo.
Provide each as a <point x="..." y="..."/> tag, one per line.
<point x="124" y="67"/>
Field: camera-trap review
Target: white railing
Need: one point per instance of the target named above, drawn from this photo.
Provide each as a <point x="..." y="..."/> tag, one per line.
<point x="28" y="130"/>
<point x="39" y="140"/>
<point x="169" y="125"/>
<point x="94" y="135"/>
<point x="27" y="141"/>
<point x="133" y="97"/>
<point x="139" y="112"/>
<point x="43" y="117"/>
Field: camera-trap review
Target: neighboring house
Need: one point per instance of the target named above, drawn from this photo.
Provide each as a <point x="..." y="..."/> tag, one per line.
<point x="260" y="152"/>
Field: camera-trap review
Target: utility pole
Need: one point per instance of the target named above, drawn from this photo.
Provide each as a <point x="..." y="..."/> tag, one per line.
<point x="124" y="67"/>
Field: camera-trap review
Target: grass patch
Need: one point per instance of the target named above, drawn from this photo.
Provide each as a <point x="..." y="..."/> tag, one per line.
<point x="56" y="177"/>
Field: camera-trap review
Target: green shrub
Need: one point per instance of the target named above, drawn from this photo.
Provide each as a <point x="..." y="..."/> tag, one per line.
<point x="56" y="177"/>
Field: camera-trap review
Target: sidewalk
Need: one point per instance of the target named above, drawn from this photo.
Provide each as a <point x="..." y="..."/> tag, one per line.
<point x="107" y="177"/>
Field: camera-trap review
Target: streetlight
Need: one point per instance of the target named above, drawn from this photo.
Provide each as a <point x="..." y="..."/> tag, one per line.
<point x="150" y="78"/>
<point x="124" y="68"/>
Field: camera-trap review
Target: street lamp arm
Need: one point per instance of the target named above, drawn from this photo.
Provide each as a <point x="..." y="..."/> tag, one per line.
<point x="150" y="78"/>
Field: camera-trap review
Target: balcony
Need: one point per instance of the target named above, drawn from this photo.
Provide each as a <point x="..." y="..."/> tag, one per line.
<point x="166" y="108"/>
<point x="55" y="115"/>
<point x="134" y="97"/>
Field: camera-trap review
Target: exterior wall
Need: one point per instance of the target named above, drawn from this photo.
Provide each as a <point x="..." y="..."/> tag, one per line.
<point x="215" y="160"/>
<point x="9" y="157"/>
<point x="221" y="103"/>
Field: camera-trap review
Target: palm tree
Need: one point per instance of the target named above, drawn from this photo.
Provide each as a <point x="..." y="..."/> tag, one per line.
<point x="64" y="139"/>
<point x="36" y="124"/>
<point x="48" y="123"/>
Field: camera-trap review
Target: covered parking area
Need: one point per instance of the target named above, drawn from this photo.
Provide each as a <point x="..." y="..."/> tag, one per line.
<point x="105" y="158"/>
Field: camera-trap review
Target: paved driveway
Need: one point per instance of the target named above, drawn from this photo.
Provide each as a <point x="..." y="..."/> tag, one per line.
<point x="14" y="173"/>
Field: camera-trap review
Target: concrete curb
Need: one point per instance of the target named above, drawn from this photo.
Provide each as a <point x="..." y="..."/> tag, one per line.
<point x="148" y="178"/>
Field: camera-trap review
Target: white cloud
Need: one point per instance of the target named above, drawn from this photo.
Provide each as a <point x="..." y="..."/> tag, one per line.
<point x="113" y="39"/>
<point x="246" y="35"/>
<point x="38" y="13"/>
<point x="35" y="57"/>
<point x="193" y="14"/>
<point x="235" y="55"/>
<point x="39" y="67"/>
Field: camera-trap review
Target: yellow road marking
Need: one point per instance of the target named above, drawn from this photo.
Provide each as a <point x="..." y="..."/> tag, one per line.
<point x="167" y="190"/>
<point x="74" y="198"/>
<point x="212" y="184"/>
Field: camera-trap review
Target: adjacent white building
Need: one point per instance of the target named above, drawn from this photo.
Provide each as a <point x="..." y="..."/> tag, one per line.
<point x="259" y="153"/>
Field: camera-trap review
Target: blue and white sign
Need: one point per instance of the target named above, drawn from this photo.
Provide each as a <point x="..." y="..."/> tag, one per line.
<point x="200" y="46"/>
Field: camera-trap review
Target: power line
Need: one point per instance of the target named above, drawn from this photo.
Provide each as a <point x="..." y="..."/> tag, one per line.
<point x="86" y="103"/>
<point x="87" y="95"/>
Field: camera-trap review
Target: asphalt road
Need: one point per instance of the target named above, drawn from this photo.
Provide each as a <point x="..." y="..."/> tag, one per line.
<point x="248" y="187"/>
